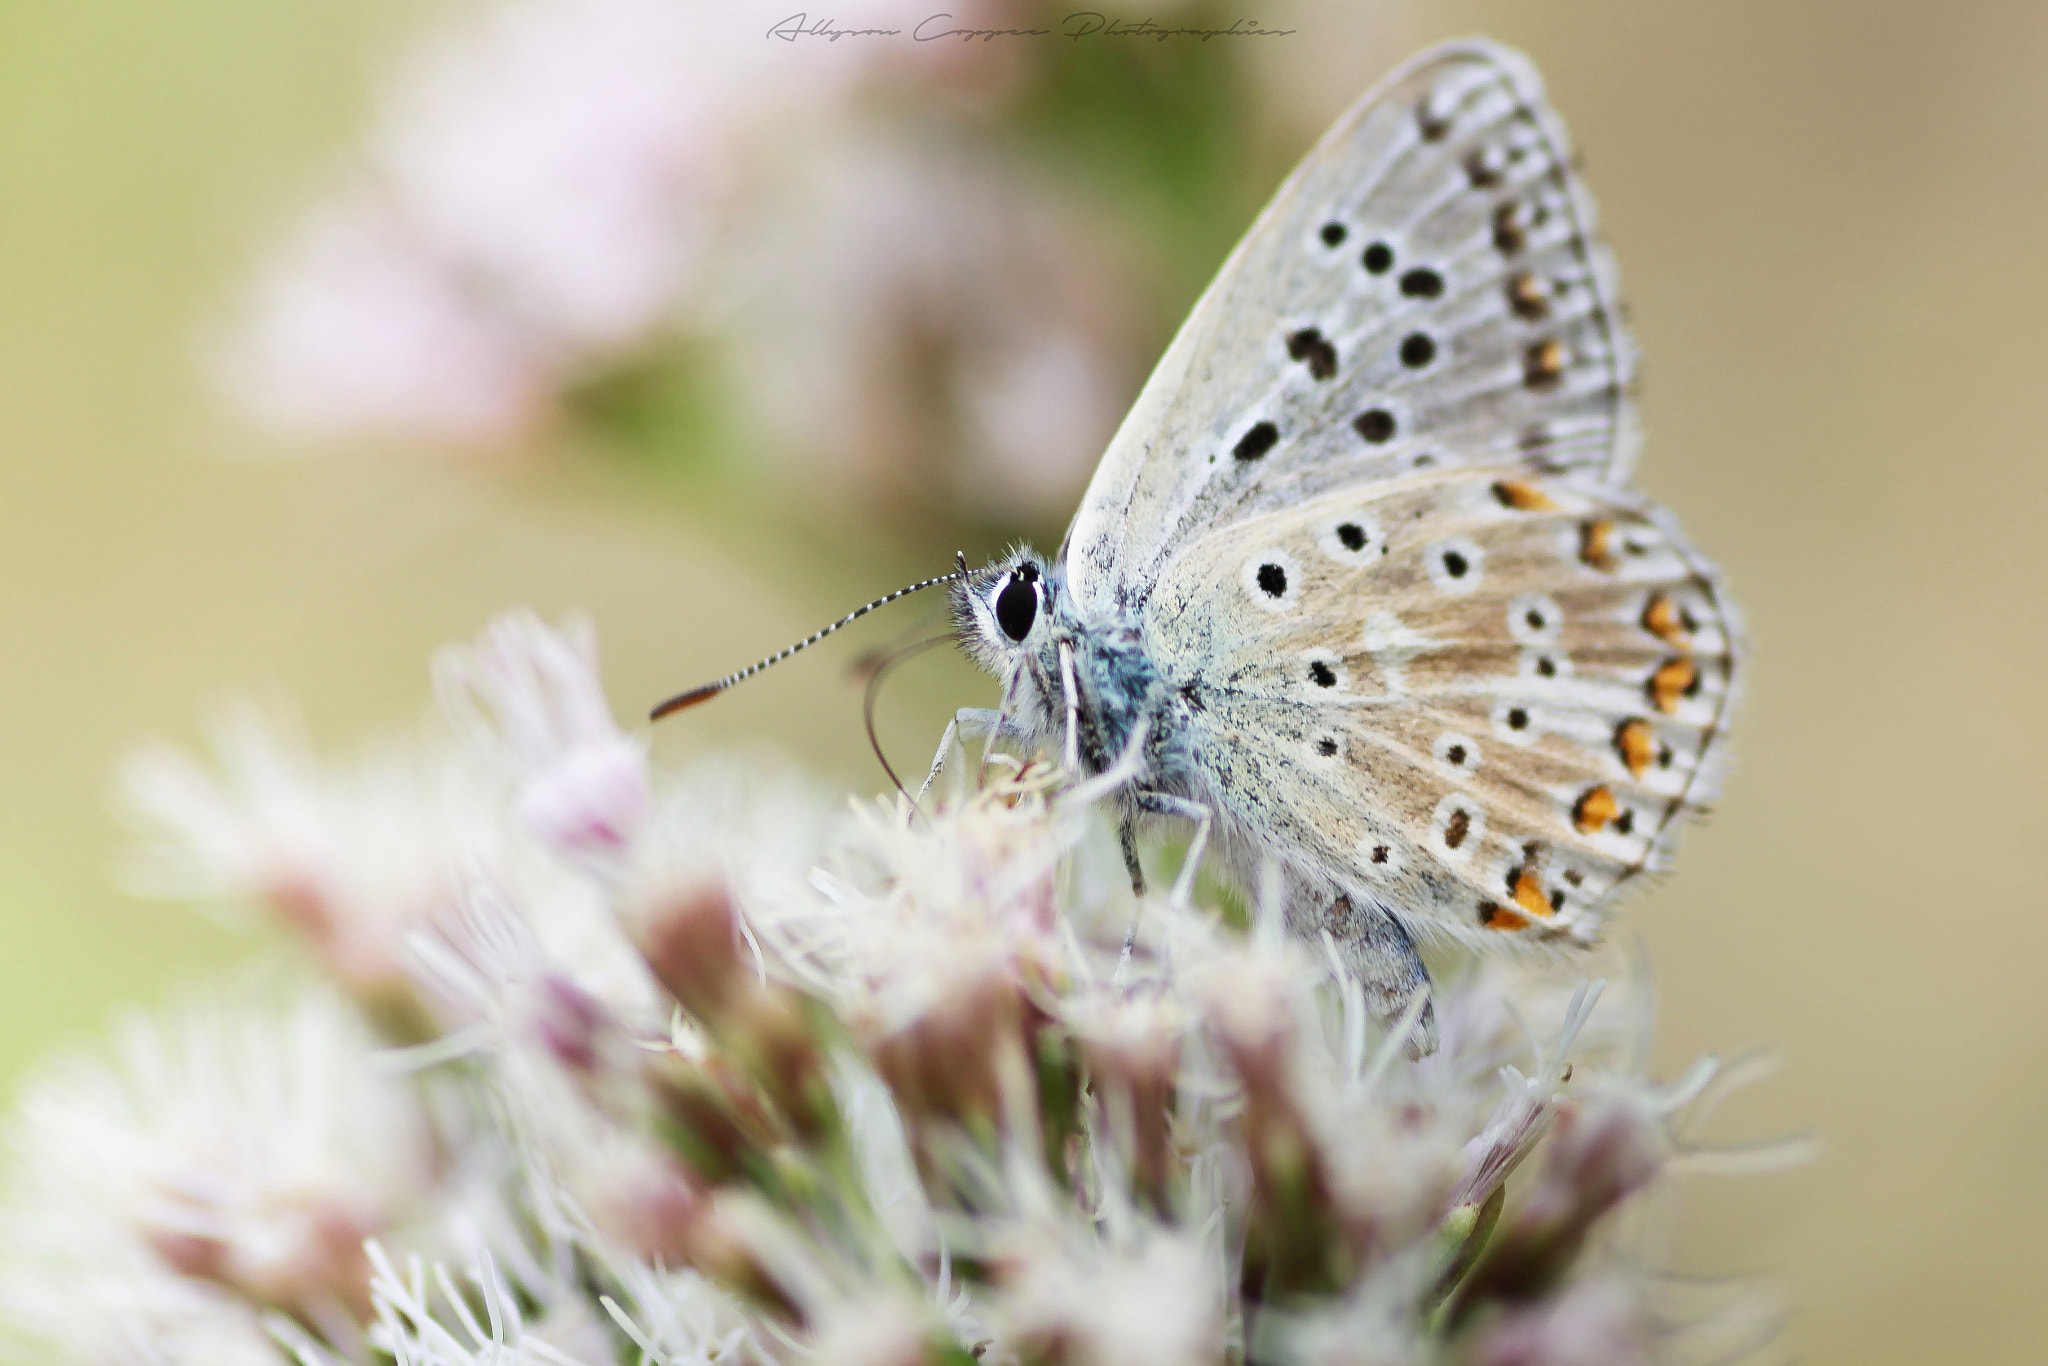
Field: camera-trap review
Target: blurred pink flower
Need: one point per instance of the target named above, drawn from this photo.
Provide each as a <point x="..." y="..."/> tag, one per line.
<point x="352" y="327"/>
<point x="1601" y="1319"/>
<point x="542" y="191"/>
<point x="929" y="321"/>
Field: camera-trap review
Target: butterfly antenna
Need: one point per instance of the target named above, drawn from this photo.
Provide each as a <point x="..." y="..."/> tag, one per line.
<point x="709" y="690"/>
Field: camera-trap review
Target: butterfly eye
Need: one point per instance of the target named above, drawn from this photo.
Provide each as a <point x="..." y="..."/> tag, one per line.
<point x="1017" y="606"/>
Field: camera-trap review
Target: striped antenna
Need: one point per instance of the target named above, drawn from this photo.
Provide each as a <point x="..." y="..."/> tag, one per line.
<point x="710" y="690"/>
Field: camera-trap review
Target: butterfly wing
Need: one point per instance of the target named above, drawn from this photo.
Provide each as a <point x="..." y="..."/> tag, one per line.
<point x="1425" y="289"/>
<point x="1486" y="699"/>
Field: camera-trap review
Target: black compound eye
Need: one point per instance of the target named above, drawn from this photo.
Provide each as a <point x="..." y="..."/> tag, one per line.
<point x="1017" y="606"/>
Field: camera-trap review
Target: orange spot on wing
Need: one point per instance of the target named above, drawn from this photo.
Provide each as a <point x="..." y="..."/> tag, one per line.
<point x="1596" y="807"/>
<point x="1636" y="744"/>
<point x="1675" y="678"/>
<point x="1522" y="497"/>
<point x="1529" y="297"/>
<point x="1662" y="619"/>
<point x="1510" y="228"/>
<point x="1495" y="916"/>
<point x="1529" y="894"/>
<point x="1543" y="364"/>
<point x="1596" y="544"/>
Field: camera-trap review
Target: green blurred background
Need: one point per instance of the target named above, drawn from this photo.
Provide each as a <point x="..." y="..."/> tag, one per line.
<point x="1830" y="221"/>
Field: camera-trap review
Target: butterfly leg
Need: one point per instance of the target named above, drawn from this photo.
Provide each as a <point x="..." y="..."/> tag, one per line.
<point x="1073" y="707"/>
<point x="1162" y="804"/>
<point x="966" y="721"/>
<point x="1376" y="948"/>
<point x="1127" y="835"/>
<point x="1004" y="708"/>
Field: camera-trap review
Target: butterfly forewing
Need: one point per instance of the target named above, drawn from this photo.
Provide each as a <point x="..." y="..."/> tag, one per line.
<point x="1425" y="291"/>
<point x="1485" y="697"/>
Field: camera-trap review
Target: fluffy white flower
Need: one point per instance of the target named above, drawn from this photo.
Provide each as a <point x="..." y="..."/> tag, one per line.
<point x="366" y="858"/>
<point x="352" y="858"/>
<point x="101" y="1312"/>
<point x="533" y="693"/>
<point x="744" y="824"/>
<point x="912" y="911"/>
<point x="720" y="1076"/>
<point x="429" y="1319"/>
<point x="430" y="1316"/>
<point x="230" y="1161"/>
<point x="1158" y="1303"/>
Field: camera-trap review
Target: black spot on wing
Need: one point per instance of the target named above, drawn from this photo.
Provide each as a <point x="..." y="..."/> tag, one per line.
<point x="1375" y="425"/>
<point x="1311" y="347"/>
<point x="1261" y="437"/>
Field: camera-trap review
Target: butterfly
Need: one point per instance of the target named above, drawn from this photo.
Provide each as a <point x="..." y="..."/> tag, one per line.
<point x="1359" y="587"/>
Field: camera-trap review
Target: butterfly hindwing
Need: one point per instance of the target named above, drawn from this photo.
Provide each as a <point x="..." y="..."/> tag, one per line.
<point x="1486" y="698"/>
<point x="1425" y="290"/>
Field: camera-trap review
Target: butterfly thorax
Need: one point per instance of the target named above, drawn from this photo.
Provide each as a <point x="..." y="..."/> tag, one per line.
<point x="1126" y="710"/>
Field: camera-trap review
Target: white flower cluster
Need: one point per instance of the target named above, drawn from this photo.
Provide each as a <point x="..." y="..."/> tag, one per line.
<point x="684" y="1068"/>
